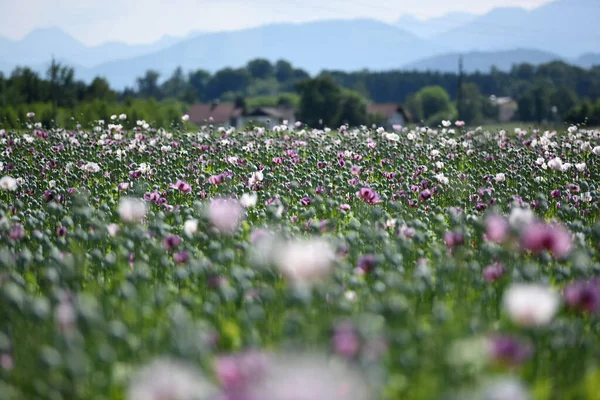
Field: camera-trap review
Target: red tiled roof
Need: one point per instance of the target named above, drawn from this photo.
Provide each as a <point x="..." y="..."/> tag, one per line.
<point x="273" y="112"/>
<point x="220" y="113"/>
<point x="385" y="109"/>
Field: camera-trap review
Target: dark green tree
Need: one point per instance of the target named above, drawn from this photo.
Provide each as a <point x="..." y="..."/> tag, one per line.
<point x="353" y="110"/>
<point x="175" y="86"/>
<point x="284" y="71"/>
<point x="260" y="68"/>
<point x="320" y="102"/>
<point x="148" y="85"/>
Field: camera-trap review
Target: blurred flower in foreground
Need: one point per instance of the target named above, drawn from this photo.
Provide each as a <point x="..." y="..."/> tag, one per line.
<point x="531" y="304"/>
<point x="509" y="350"/>
<point x="307" y="377"/>
<point x="132" y="210"/>
<point x="91" y="167"/>
<point x="520" y="217"/>
<point x="472" y="353"/>
<point x="190" y="227"/>
<point x="496" y="228"/>
<point x="541" y="236"/>
<point x="493" y="272"/>
<point x="8" y="183"/>
<point x="583" y="296"/>
<point x="249" y="200"/>
<point x="366" y="264"/>
<point x="113" y="229"/>
<point x="346" y="340"/>
<point x="225" y="214"/>
<point x="169" y="379"/>
<point x="305" y="260"/>
<point x="503" y="388"/>
<point x="237" y="373"/>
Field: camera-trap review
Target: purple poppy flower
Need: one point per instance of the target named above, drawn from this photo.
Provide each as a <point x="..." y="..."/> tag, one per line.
<point x="583" y="296"/>
<point x="17" y="232"/>
<point x="493" y="272"/>
<point x="425" y="195"/>
<point x="346" y="341"/>
<point x="216" y="179"/>
<point x="154" y="196"/>
<point x="183" y="186"/>
<point x="48" y="196"/>
<point x="454" y="239"/>
<point x="305" y="201"/>
<point x="171" y="242"/>
<point x="181" y="257"/>
<point x="366" y="263"/>
<point x="369" y="196"/>
<point x="541" y="236"/>
<point x="509" y="350"/>
<point x="345" y="207"/>
<point x="496" y="228"/>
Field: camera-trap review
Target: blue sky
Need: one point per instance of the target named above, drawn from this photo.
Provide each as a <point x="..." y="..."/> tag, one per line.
<point x="142" y="21"/>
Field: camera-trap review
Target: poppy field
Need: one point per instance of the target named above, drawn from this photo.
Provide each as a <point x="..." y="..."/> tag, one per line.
<point x="298" y="263"/>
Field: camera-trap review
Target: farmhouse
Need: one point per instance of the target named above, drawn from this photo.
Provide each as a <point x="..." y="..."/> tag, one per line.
<point x="215" y="113"/>
<point x="388" y="114"/>
<point x="268" y="117"/>
<point x="227" y="114"/>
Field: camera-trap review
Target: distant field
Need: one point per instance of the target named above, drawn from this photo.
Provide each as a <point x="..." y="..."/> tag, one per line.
<point x="295" y="264"/>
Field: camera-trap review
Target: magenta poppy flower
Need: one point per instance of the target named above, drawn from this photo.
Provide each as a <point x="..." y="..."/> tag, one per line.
<point x="181" y="257"/>
<point x="305" y="201"/>
<point x="17" y="232"/>
<point x="183" y="186"/>
<point x="216" y="179"/>
<point x="346" y="341"/>
<point x="496" y="228"/>
<point x="366" y="263"/>
<point x="345" y="207"/>
<point x="541" y="236"/>
<point x="509" y="350"/>
<point x="171" y="242"/>
<point x="369" y="196"/>
<point x="454" y="239"/>
<point x="583" y="296"/>
<point x="493" y="272"/>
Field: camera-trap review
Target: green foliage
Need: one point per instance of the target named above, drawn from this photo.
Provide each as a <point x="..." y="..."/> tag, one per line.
<point x="324" y="103"/>
<point x="164" y="113"/>
<point x="552" y="92"/>
<point x="431" y="104"/>
<point x="283" y="99"/>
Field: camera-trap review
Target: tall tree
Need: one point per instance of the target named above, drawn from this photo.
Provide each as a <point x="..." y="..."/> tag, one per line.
<point x="148" y="85"/>
<point x="284" y="71"/>
<point x="320" y="102"/>
<point x="175" y="86"/>
<point x="197" y="82"/>
<point x="260" y="68"/>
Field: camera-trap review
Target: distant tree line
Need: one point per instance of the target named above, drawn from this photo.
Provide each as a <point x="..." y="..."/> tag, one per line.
<point x="551" y="92"/>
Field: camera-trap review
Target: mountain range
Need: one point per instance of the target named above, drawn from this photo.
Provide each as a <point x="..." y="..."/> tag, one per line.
<point x="560" y="30"/>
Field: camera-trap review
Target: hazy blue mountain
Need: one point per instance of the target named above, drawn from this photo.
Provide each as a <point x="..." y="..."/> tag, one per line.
<point x="41" y="44"/>
<point x="482" y="61"/>
<point x="339" y="44"/>
<point x="588" y="60"/>
<point x="565" y="27"/>
<point x="430" y="27"/>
